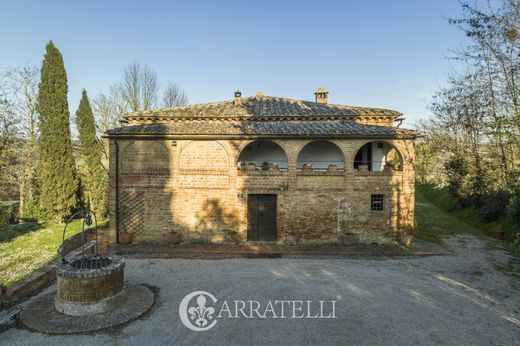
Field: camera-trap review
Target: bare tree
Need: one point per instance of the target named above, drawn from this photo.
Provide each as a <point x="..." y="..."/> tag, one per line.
<point x="174" y="96"/>
<point x="108" y="112"/>
<point x="137" y="90"/>
<point x="139" y="87"/>
<point x="130" y="86"/>
<point x="109" y="109"/>
<point x="18" y="116"/>
<point x="24" y="82"/>
<point x="149" y="88"/>
<point x="495" y="47"/>
<point x="7" y="114"/>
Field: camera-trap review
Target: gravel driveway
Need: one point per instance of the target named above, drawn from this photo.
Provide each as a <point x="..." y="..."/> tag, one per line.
<point x="459" y="299"/>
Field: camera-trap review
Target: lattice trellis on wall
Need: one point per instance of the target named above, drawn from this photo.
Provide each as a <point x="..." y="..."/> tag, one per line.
<point x="131" y="211"/>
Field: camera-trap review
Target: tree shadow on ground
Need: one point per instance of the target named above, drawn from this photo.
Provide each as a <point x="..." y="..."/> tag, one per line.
<point x="9" y="232"/>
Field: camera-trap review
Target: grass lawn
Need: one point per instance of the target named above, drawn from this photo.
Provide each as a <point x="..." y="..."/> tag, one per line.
<point x="25" y="248"/>
<point x="434" y="216"/>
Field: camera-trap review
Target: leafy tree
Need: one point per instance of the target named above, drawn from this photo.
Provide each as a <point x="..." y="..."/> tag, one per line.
<point x="93" y="177"/>
<point x="57" y="171"/>
<point x="477" y="115"/>
<point x="457" y="172"/>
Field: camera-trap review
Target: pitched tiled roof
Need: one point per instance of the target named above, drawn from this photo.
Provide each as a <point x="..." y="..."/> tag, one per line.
<point x="262" y="116"/>
<point x="264" y="106"/>
<point x="294" y="128"/>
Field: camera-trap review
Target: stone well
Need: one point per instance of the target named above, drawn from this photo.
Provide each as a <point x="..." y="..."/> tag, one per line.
<point x="89" y="285"/>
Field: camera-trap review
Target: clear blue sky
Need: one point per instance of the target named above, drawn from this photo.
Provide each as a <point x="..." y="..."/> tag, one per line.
<point x="379" y="53"/>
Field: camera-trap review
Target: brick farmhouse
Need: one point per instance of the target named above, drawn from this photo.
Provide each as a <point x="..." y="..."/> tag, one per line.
<point x="262" y="168"/>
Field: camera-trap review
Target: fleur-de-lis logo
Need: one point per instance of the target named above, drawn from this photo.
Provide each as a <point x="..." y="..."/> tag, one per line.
<point x="200" y="313"/>
<point x="198" y="317"/>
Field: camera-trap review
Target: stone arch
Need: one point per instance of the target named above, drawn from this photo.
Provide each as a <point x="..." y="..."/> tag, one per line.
<point x="320" y="154"/>
<point x="264" y="153"/>
<point x="204" y="156"/>
<point x="376" y="155"/>
<point x="145" y="157"/>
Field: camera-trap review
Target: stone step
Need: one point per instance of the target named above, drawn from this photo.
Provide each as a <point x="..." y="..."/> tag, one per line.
<point x="9" y="318"/>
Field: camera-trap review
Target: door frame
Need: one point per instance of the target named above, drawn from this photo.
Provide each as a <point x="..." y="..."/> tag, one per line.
<point x="275" y="216"/>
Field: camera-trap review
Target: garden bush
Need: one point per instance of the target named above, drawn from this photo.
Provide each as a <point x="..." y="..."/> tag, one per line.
<point x="8" y="212"/>
<point x="493" y="205"/>
<point x="31" y="211"/>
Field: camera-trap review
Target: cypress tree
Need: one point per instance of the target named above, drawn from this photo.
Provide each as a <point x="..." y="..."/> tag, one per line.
<point x="57" y="170"/>
<point x="93" y="178"/>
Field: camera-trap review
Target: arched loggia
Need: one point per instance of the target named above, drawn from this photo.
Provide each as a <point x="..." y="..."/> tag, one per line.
<point x="264" y="155"/>
<point x="320" y="155"/>
<point x="378" y="156"/>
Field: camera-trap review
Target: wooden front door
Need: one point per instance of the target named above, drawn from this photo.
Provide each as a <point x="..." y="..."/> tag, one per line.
<point x="261" y="217"/>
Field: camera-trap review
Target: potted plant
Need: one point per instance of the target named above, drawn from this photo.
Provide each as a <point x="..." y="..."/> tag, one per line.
<point x="251" y="166"/>
<point x="242" y="165"/>
<point x="347" y="239"/>
<point x="231" y="236"/>
<point x="498" y="233"/>
<point x="362" y="168"/>
<point x="388" y="167"/>
<point x="126" y="237"/>
<point x="291" y="239"/>
<point x="173" y="237"/>
<point x="332" y="168"/>
<point x="307" y="167"/>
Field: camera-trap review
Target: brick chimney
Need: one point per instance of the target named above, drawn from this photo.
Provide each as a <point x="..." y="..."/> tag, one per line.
<point x="322" y="96"/>
<point x="238" y="98"/>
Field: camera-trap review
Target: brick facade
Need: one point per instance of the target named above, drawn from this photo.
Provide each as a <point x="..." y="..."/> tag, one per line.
<point x="194" y="187"/>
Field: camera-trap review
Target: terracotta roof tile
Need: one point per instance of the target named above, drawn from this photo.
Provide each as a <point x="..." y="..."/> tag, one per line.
<point x="264" y="106"/>
<point x="331" y="128"/>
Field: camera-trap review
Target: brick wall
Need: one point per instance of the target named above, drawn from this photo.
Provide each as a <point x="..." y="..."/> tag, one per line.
<point x="194" y="187"/>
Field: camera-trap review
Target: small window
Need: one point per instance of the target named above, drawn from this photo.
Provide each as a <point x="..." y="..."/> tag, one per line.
<point x="376" y="202"/>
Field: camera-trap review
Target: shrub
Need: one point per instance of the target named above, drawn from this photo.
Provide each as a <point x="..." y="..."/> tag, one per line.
<point x="461" y="184"/>
<point x="8" y="212"/>
<point x="516" y="243"/>
<point x="493" y="205"/>
<point x="31" y="211"/>
<point x="513" y="209"/>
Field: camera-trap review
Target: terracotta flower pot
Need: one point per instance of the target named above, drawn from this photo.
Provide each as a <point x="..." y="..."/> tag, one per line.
<point x="291" y="240"/>
<point x="251" y="167"/>
<point x="346" y="239"/>
<point x="232" y="238"/>
<point x="332" y="168"/>
<point x="174" y="238"/>
<point x="126" y="238"/>
<point x="307" y="167"/>
<point x="498" y="234"/>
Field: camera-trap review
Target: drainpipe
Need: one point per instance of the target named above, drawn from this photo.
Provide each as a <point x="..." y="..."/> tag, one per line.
<point x="116" y="218"/>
